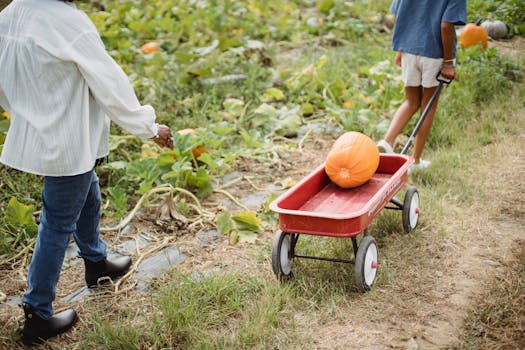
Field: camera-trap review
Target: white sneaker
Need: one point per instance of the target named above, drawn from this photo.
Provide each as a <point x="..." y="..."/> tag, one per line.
<point x="384" y="147"/>
<point x="418" y="166"/>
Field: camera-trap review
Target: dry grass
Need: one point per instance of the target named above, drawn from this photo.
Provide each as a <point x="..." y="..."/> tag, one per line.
<point x="499" y="319"/>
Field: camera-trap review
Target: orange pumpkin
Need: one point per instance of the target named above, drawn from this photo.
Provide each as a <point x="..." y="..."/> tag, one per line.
<point x="150" y="47"/>
<point x="473" y="34"/>
<point x="352" y="160"/>
<point x="197" y="151"/>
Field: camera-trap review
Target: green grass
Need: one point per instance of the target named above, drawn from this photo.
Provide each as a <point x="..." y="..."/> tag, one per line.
<point x="230" y="311"/>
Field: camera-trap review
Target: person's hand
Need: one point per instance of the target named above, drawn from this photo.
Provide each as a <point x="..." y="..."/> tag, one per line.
<point x="397" y="60"/>
<point x="164" y="137"/>
<point x="448" y="72"/>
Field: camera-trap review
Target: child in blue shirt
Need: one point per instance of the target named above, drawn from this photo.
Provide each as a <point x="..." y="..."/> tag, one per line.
<point x="425" y="41"/>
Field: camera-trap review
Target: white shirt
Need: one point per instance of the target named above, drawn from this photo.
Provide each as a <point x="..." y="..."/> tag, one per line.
<point x="59" y="85"/>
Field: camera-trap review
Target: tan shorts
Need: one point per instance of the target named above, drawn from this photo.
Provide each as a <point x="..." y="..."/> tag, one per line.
<point x="420" y="70"/>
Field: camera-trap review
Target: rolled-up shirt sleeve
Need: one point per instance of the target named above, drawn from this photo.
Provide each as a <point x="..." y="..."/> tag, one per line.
<point x="111" y="87"/>
<point x="455" y="12"/>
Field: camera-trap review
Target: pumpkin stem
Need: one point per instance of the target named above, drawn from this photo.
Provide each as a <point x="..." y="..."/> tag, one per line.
<point x="479" y="21"/>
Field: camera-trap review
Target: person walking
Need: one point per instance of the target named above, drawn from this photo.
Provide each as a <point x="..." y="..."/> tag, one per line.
<point x="61" y="89"/>
<point x="424" y="39"/>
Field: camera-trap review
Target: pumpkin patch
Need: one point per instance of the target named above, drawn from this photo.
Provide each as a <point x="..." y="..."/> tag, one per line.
<point x="352" y="160"/>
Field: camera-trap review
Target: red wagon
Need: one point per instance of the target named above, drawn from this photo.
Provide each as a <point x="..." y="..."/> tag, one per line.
<point x="316" y="206"/>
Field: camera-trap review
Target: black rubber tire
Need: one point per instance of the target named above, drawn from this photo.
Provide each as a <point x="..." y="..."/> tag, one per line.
<point x="411" y="209"/>
<point x="367" y="253"/>
<point x="282" y="259"/>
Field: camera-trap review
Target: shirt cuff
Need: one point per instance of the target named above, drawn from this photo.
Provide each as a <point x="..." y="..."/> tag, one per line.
<point x="155" y="130"/>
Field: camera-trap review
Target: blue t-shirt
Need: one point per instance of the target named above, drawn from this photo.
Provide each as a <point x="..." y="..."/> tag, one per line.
<point x="418" y="24"/>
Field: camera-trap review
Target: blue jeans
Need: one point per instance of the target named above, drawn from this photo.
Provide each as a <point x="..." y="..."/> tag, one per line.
<point x="70" y="205"/>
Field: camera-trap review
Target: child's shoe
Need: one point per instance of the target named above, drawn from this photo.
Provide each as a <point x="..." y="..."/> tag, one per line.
<point x="384" y="147"/>
<point x="418" y="166"/>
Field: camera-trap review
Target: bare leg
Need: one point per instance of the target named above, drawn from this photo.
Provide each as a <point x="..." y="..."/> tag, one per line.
<point x="413" y="99"/>
<point x="422" y="135"/>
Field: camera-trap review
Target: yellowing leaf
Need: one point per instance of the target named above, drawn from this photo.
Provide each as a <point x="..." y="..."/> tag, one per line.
<point x="147" y="151"/>
<point x="247" y="221"/>
<point x="224" y="223"/>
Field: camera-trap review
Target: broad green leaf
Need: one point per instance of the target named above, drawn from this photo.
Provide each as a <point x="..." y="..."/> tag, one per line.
<point x="289" y="121"/>
<point x="166" y="160"/>
<point x="119" y="199"/>
<point x="18" y="213"/>
<point x="208" y="160"/>
<point x="115" y="142"/>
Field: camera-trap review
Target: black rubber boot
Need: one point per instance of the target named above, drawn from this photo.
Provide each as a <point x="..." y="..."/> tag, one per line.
<point x="37" y="330"/>
<point x="106" y="268"/>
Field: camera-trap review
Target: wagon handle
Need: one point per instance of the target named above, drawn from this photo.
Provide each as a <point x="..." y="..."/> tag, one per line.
<point x="442" y="80"/>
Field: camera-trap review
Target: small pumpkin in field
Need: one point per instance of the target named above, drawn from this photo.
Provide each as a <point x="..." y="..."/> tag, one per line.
<point x="197" y="151"/>
<point x="352" y="160"/>
<point x="150" y="47"/>
<point x="495" y="29"/>
<point x="473" y="34"/>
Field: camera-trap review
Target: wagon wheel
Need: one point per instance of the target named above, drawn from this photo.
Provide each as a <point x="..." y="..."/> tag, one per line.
<point x="410" y="209"/>
<point x="366" y="263"/>
<point x="282" y="255"/>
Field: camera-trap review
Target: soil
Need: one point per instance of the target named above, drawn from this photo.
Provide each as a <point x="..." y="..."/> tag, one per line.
<point x="424" y="309"/>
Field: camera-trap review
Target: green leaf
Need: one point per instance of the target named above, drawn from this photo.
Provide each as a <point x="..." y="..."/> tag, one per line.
<point x="250" y="138"/>
<point x="289" y="121"/>
<point x="119" y="199"/>
<point x="247" y="221"/>
<point x="17" y="213"/>
<point x="208" y="160"/>
<point x="266" y="110"/>
<point x="115" y="142"/>
<point x="325" y="6"/>
<point x="272" y="94"/>
<point x="224" y="223"/>
<point x="233" y="106"/>
<point x="118" y="165"/>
